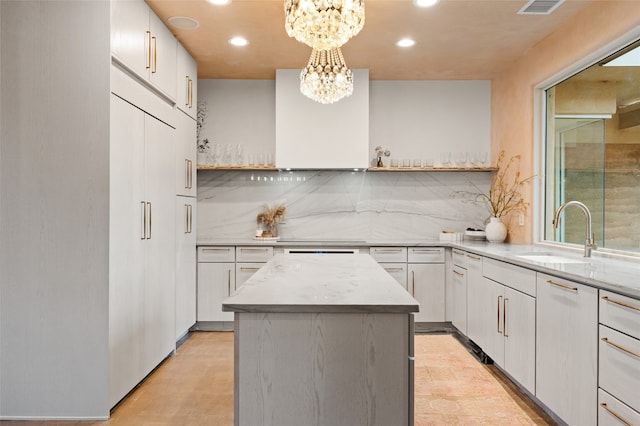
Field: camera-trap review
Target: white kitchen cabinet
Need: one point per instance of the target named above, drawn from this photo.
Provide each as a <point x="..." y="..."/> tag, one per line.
<point x="142" y="246"/>
<point x="185" y="264"/>
<point x="186" y="152"/>
<point x="613" y="412"/>
<point x="476" y="300"/>
<point x="142" y="44"/>
<point x="216" y="282"/>
<point x="426" y="285"/>
<point x="187" y="83"/>
<point x="249" y="260"/>
<point x="398" y="271"/>
<point x="393" y="260"/>
<point x="244" y="271"/>
<point x="459" y="314"/>
<point x="567" y="349"/>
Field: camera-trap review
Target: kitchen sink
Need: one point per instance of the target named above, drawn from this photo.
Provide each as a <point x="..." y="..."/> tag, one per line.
<point x="550" y="258"/>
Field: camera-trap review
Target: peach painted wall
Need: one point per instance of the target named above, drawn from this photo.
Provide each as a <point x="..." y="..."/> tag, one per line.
<point x="512" y="96"/>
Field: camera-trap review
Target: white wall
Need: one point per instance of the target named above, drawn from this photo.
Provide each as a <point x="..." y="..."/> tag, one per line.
<point x="54" y="164"/>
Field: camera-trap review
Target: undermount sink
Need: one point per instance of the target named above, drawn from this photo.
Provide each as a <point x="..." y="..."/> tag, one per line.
<point x="550" y="258"/>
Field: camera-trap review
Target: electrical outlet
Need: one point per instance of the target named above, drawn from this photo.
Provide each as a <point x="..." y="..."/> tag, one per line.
<point x="521" y="219"/>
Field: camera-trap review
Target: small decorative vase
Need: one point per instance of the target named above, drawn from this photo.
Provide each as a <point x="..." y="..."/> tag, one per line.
<point x="379" y="162"/>
<point x="495" y="230"/>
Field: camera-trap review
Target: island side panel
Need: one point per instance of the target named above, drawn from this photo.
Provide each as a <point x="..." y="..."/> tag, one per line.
<point x="323" y="368"/>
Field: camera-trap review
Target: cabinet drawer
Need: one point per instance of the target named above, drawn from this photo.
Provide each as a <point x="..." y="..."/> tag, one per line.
<point x="425" y="255"/>
<point x="216" y="254"/>
<point x="244" y="271"/>
<point x="253" y="254"/>
<point x="458" y="257"/>
<point x="518" y="278"/>
<point x="619" y="366"/>
<point x="389" y="254"/>
<point x="620" y="312"/>
<point x="612" y="412"/>
<point x="397" y="271"/>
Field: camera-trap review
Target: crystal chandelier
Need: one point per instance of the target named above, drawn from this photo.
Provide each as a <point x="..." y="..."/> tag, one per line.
<point x="323" y="24"/>
<point x="326" y="78"/>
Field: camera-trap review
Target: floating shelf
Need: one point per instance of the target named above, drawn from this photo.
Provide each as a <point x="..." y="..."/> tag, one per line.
<point x="211" y="167"/>
<point x="371" y="169"/>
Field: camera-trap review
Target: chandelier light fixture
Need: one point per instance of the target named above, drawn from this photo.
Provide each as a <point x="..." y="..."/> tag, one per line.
<point x="326" y="78"/>
<point x="323" y="24"/>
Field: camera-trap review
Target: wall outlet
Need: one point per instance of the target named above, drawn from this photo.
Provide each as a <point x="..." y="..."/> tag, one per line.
<point x="521" y="219"/>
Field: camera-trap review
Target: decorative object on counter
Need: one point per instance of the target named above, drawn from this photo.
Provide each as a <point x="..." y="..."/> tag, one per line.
<point x="322" y="24"/>
<point x="450" y="236"/>
<point x="471" y="234"/>
<point x="269" y="219"/>
<point x="203" y="144"/>
<point x="326" y="78"/>
<point x="503" y="198"/>
<point x="380" y="152"/>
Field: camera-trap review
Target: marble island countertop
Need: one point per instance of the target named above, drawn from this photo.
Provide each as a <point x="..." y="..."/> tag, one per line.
<point x="312" y="283"/>
<point x="618" y="274"/>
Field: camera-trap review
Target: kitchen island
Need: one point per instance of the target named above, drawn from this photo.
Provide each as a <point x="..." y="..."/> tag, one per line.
<point x="323" y="339"/>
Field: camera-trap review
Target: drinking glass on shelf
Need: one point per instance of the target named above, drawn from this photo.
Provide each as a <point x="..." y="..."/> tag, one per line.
<point x="428" y="162"/>
<point x="417" y="163"/>
<point x="406" y="163"/>
<point x="269" y="159"/>
<point x="214" y="154"/>
<point x="394" y="162"/>
<point x="483" y="158"/>
<point x="250" y="159"/>
<point x="445" y="159"/>
<point x="260" y="159"/>
<point x="239" y="155"/>
<point x="228" y="154"/>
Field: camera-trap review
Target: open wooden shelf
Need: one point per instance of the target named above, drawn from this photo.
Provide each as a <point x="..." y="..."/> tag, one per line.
<point x="212" y="167"/>
<point x="371" y="169"/>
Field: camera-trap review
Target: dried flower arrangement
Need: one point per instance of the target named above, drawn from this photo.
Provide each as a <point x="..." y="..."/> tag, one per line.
<point x="505" y="194"/>
<point x="269" y="218"/>
<point x="379" y="153"/>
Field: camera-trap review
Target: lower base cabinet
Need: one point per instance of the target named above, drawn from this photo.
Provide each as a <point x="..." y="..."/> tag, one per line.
<point x="459" y="292"/>
<point x="567" y="349"/>
<point x="216" y="282"/>
<point x="426" y="285"/>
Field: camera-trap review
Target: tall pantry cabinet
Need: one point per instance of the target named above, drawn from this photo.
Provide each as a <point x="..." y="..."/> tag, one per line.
<point x="88" y="208"/>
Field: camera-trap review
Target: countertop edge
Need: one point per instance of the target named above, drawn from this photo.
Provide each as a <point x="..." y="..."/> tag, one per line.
<point x="323" y="309"/>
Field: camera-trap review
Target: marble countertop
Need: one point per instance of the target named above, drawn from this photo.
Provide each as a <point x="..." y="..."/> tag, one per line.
<point x="618" y="274"/>
<point x="313" y="283"/>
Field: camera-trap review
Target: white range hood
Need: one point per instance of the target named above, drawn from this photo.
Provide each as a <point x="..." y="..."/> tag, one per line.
<point x="310" y="135"/>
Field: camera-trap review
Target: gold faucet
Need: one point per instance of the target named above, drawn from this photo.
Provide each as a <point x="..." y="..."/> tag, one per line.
<point x="589" y="243"/>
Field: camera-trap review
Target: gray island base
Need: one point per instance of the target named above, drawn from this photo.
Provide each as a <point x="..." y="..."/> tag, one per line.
<point x="323" y="340"/>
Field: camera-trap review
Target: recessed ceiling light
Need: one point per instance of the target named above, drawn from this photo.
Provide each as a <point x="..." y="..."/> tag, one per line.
<point x="406" y="42"/>
<point x="238" y="41"/>
<point x="220" y="2"/>
<point x="184" y="22"/>
<point x="425" y="3"/>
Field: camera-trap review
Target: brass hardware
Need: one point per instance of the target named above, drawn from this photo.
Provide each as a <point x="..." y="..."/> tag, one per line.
<point x="215" y="249"/>
<point x="188" y="92"/>
<point x="390" y="250"/>
<point x="253" y="249"/>
<point x="413" y="283"/>
<point x="458" y="252"/>
<point x="393" y="269"/>
<point x="504" y="317"/>
<point x="622" y="348"/>
<point x="614" y="414"/>
<point x="426" y="250"/>
<point x="247" y="268"/>
<point x="228" y="282"/>
<point x="458" y="273"/>
<point x="186" y="173"/>
<point x="147" y="63"/>
<point x="150" y="223"/>
<point x="190" y="174"/>
<point x="190" y="218"/>
<point x="155" y="55"/>
<point x="617" y="302"/>
<point x="144" y="220"/>
<point x="499" y="303"/>
<point x="473" y="257"/>
<point x="568" y="287"/>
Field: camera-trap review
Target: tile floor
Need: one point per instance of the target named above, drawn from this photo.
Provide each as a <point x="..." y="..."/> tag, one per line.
<point x="195" y="387"/>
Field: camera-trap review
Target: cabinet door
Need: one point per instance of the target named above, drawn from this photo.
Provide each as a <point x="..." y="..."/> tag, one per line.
<point x="476" y="301"/>
<point x="129" y="35"/>
<point x="397" y="271"/>
<point x="244" y="271"/>
<point x="163" y="56"/>
<point x="185" y="264"/>
<point x="126" y="248"/>
<point x="566" y="348"/>
<point x="459" y="316"/>
<point x="493" y="320"/>
<point x="215" y="283"/>
<point x="160" y="246"/>
<point x="187" y="83"/>
<point x="426" y="285"/>
<point x="519" y="311"/>
<point x="186" y="173"/>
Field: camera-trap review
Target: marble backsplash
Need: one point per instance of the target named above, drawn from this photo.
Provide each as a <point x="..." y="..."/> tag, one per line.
<point x="339" y="205"/>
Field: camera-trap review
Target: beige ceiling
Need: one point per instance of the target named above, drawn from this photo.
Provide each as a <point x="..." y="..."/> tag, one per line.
<point x="456" y="39"/>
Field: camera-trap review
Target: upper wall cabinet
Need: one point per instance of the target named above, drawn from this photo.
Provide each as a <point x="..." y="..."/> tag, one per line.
<point x="310" y="135"/>
<point x="142" y="45"/>
<point x="187" y="83"/>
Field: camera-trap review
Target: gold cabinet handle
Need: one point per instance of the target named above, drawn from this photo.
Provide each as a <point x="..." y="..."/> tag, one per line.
<point x="155" y="55"/>
<point x="186" y="173"/>
<point x="248" y="269"/>
<point x="568" y="287"/>
<point x="186" y="216"/>
<point x="389" y="250"/>
<point x="144" y="220"/>
<point x="458" y="252"/>
<point x="458" y="273"/>
<point x="473" y="257"/>
<point x="150" y="223"/>
<point x="253" y="249"/>
<point x="413" y="283"/>
<point x="190" y="218"/>
<point x="498" y="319"/>
<point x="147" y="63"/>
<point x="228" y="282"/>
<point x="190" y="174"/>
<point x="614" y="414"/>
<point x="216" y="249"/>
<point x="426" y="250"/>
<point x="190" y="93"/>
<point x="393" y="269"/>
<point x="187" y="90"/>
<point x="622" y="348"/>
<point x="617" y="302"/>
<point x="504" y="317"/>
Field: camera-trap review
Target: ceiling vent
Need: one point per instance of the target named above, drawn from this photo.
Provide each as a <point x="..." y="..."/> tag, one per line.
<point x="540" y="7"/>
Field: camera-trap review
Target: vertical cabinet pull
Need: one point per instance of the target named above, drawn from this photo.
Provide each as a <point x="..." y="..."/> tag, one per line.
<point x="147" y="63"/>
<point x="188" y="91"/>
<point x="413" y="283"/>
<point x="148" y="236"/>
<point x="144" y="220"/>
<point x="186" y="173"/>
<point x="499" y="303"/>
<point x="190" y="218"/>
<point x="504" y="317"/>
<point x="228" y="282"/>
<point x="155" y="55"/>
<point x="186" y="216"/>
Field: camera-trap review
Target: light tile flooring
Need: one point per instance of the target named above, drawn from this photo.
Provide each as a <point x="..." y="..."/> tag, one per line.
<point x="195" y="387"/>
